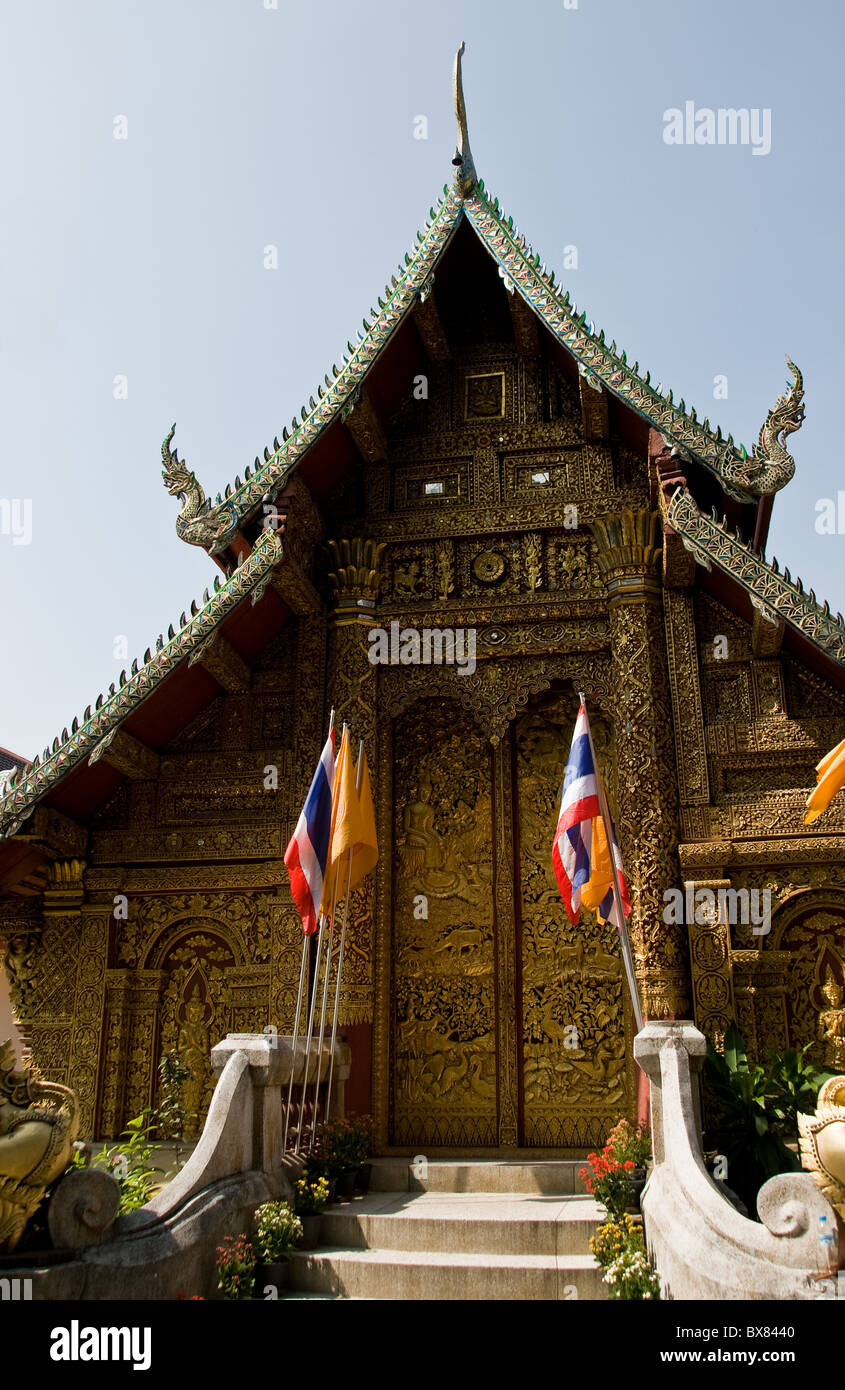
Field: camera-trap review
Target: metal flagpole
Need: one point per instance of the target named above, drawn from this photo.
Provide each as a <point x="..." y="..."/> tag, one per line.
<point x="320" y="1034"/>
<point x="310" y="1030"/>
<point x="622" y="928"/>
<point x="342" y="943"/>
<point x="295" y="1037"/>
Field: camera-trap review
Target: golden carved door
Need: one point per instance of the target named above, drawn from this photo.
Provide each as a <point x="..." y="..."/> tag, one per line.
<point x="444" y="1008"/>
<point x="506" y="1021"/>
<point x="577" y="1071"/>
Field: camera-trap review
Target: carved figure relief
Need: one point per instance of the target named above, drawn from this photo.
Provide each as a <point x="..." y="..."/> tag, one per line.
<point x="444" y="1008"/>
<point x="196" y="1013"/>
<point x="576" y="1077"/>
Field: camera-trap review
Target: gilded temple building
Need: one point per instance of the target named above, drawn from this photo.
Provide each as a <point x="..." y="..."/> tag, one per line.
<point x="487" y="466"/>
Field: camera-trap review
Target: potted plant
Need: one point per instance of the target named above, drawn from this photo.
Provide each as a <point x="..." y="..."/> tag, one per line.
<point x="619" y="1249"/>
<point x="606" y="1179"/>
<point x="235" y="1267"/>
<point x="632" y="1148"/>
<point x="309" y="1198"/>
<point x="345" y="1147"/>
<point x="277" y="1230"/>
<point x="363" y="1129"/>
<point x="317" y="1165"/>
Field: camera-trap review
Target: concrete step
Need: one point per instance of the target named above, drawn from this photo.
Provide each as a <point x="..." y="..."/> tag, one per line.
<point x="553" y="1177"/>
<point x="478" y="1222"/>
<point x="425" y="1274"/>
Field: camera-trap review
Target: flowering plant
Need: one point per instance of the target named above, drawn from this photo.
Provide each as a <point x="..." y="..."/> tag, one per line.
<point x="310" y="1196"/>
<point x="235" y="1267"/>
<point x="610" y="1239"/>
<point x="345" y="1143"/>
<point x="607" y="1177"/>
<point x="620" y="1250"/>
<point x="277" y="1229"/>
<point x="631" y="1276"/>
<point x="629" y="1145"/>
<point x="607" y="1180"/>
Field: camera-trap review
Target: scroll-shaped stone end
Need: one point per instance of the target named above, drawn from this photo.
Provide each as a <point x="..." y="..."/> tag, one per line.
<point x="83" y="1208"/>
<point x="790" y="1204"/>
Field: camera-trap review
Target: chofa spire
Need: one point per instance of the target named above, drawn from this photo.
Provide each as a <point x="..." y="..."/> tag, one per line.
<point x="465" y="175"/>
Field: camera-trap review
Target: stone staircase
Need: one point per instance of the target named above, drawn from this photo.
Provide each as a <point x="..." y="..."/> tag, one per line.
<point x="466" y="1230"/>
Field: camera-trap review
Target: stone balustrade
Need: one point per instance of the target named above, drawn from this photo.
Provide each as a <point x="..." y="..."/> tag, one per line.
<point x="168" y="1245"/>
<point x="702" y="1247"/>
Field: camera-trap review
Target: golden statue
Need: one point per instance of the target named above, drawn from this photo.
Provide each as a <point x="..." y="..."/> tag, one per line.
<point x="39" y="1121"/>
<point x="193" y="1049"/>
<point x="822" y="1139"/>
<point x="832" y="1023"/>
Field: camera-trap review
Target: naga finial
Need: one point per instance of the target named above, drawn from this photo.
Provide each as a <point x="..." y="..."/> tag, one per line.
<point x="785" y="417"/>
<point x="179" y="479"/>
<point x="198" y="523"/>
<point x="465" y="175"/>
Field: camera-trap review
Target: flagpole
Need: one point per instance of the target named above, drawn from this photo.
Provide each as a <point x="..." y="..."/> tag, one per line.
<point x="295" y="1039"/>
<point x="320" y="1035"/>
<point x="295" y="1036"/>
<point x="623" y="927"/>
<point x="342" y="942"/>
<point x="310" y="1032"/>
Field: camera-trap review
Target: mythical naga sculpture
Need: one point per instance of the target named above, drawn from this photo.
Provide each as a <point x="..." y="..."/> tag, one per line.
<point x="772" y="464"/>
<point x="822" y="1138"/>
<point x="198" y="523"/>
<point x="39" y="1121"/>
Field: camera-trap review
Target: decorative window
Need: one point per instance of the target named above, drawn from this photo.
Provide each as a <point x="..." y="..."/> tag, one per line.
<point x="541" y="478"/>
<point x="433" y="489"/>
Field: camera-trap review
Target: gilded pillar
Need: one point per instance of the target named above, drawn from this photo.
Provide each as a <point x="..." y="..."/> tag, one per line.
<point x="629" y="554"/>
<point x="355" y="578"/>
<point x="87" y="925"/>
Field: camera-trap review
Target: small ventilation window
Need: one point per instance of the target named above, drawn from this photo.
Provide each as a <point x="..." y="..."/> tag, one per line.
<point x="541" y="478"/>
<point x="433" y="489"/>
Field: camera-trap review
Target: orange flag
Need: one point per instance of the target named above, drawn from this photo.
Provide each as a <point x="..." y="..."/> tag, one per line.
<point x="353" y="851"/>
<point x="830" y="775"/>
<point x="601" y="869"/>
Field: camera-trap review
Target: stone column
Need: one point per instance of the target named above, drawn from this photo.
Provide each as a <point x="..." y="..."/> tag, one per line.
<point x="628" y="551"/>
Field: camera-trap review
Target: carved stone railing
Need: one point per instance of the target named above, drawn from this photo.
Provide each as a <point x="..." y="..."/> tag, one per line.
<point x="168" y="1245"/>
<point x="702" y="1247"/>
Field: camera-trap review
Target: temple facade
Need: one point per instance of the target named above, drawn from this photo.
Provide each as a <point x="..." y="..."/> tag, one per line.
<point x="484" y="510"/>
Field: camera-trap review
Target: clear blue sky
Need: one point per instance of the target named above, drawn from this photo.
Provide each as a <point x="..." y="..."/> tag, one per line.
<point x="249" y="126"/>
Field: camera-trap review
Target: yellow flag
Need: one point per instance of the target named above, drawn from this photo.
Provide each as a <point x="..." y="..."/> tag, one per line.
<point x="830" y="775"/>
<point x="601" y="868"/>
<point x="341" y="769"/>
<point x="353" y="850"/>
<point x="365" y="853"/>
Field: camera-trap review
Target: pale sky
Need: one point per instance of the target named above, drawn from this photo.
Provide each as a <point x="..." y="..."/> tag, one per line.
<point x="249" y="126"/>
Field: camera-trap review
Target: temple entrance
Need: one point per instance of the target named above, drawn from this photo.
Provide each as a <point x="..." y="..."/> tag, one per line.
<point x="508" y="1024"/>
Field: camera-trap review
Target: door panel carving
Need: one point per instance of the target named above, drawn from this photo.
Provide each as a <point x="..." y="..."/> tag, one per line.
<point x="509" y="1025"/>
<point x="575" y="1063"/>
<point x="444" y="1028"/>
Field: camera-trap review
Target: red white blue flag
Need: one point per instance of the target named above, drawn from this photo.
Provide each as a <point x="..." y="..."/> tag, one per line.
<point x="579" y="806"/>
<point x="308" y="851"/>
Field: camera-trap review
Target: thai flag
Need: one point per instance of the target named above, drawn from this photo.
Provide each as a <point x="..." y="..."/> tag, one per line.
<point x="579" y="805"/>
<point x="306" y="855"/>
